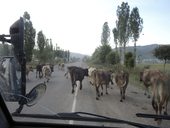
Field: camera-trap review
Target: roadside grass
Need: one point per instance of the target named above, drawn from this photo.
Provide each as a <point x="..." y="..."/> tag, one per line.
<point x="134" y="73"/>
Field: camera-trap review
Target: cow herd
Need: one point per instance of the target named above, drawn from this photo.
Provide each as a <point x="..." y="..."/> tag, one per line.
<point x="42" y="71"/>
<point x="158" y="82"/>
<point x="99" y="78"/>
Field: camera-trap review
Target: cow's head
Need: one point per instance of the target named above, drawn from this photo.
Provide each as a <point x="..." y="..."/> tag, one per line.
<point x="121" y="79"/>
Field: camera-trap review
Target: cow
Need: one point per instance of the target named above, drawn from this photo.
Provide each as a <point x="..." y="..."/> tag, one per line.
<point x="146" y="76"/>
<point x="161" y="94"/>
<point x="122" y="80"/>
<point x="46" y="70"/>
<point x="52" y="67"/>
<point x="39" y="70"/>
<point x="90" y="70"/>
<point x="28" y="69"/>
<point x="68" y="69"/>
<point x="62" y="66"/>
<point x="98" y="79"/>
<point x="77" y="74"/>
<point x="59" y="66"/>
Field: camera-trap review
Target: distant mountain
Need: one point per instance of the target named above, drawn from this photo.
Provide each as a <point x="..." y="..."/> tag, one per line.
<point x="77" y="55"/>
<point x="145" y="51"/>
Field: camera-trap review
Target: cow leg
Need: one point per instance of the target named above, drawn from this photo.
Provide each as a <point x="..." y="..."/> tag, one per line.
<point x="121" y="95"/>
<point x="166" y="104"/>
<point x="39" y="74"/>
<point x="124" y="90"/>
<point x="147" y="92"/>
<point x="80" y="85"/>
<point x="155" y="107"/>
<point x="106" y="89"/>
<point x="97" y="93"/>
<point x="102" y="90"/>
<point x="73" y="83"/>
<point x="160" y="112"/>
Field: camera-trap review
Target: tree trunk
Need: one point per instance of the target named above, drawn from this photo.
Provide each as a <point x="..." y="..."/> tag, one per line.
<point x="120" y="53"/>
<point x="124" y="52"/>
<point x="164" y="65"/>
<point x="135" y="54"/>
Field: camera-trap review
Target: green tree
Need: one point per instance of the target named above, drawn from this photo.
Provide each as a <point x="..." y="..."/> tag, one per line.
<point x="129" y="60"/>
<point x="29" y="36"/>
<point x="163" y="53"/>
<point x="104" y="50"/>
<point x="112" y="58"/>
<point x="122" y="25"/>
<point x="41" y="41"/>
<point x="115" y="35"/>
<point x="105" y="37"/>
<point x="136" y="25"/>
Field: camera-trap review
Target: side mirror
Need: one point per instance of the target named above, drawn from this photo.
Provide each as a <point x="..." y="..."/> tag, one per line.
<point x="17" y="38"/>
<point x="35" y="94"/>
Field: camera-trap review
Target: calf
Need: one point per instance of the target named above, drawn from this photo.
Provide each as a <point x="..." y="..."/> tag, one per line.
<point x="146" y="77"/>
<point x="77" y="74"/>
<point x="122" y="80"/>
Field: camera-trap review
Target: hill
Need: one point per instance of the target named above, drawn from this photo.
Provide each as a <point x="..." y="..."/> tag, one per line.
<point x="146" y="52"/>
<point x="77" y="55"/>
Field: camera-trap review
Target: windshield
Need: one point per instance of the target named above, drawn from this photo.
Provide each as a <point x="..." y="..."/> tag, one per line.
<point x="104" y="57"/>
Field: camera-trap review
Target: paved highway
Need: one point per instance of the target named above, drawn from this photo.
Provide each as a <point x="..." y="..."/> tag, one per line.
<point x="58" y="98"/>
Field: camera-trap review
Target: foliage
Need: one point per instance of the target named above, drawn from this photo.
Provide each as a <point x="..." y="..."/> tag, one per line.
<point x="129" y="60"/>
<point x="112" y="58"/>
<point x="5" y="49"/>
<point x="29" y="37"/>
<point x="163" y="53"/>
<point x="122" y="26"/>
<point x="105" y="34"/>
<point x="99" y="56"/>
<point x="45" y="52"/>
<point x="136" y="25"/>
<point x="115" y="35"/>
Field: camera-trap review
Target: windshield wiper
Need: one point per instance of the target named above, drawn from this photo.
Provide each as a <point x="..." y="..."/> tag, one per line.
<point x="164" y="117"/>
<point x="84" y="116"/>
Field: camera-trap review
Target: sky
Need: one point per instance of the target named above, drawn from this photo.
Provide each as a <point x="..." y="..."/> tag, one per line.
<point x="76" y="25"/>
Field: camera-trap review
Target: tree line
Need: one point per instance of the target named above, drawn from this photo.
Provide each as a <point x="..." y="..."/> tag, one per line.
<point x="43" y="49"/>
<point x="129" y="25"/>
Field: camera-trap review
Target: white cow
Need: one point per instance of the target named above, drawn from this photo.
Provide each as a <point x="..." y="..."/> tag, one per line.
<point x="46" y="70"/>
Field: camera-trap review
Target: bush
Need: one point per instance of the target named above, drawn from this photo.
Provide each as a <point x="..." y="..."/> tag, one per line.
<point x="129" y="60"/>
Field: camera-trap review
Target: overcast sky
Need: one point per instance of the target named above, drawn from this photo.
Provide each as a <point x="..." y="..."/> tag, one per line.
<point x="76" y="25"/>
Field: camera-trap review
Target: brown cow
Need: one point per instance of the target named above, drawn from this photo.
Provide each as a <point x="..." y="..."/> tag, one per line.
<point x="122" y="80"/>
<point x="146" y="77"/>
<point x="161" y="94"/>
<point x="100" y="78"/>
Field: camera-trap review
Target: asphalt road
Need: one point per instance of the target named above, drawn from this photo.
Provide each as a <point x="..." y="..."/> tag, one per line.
<point x="58" y="98"/>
